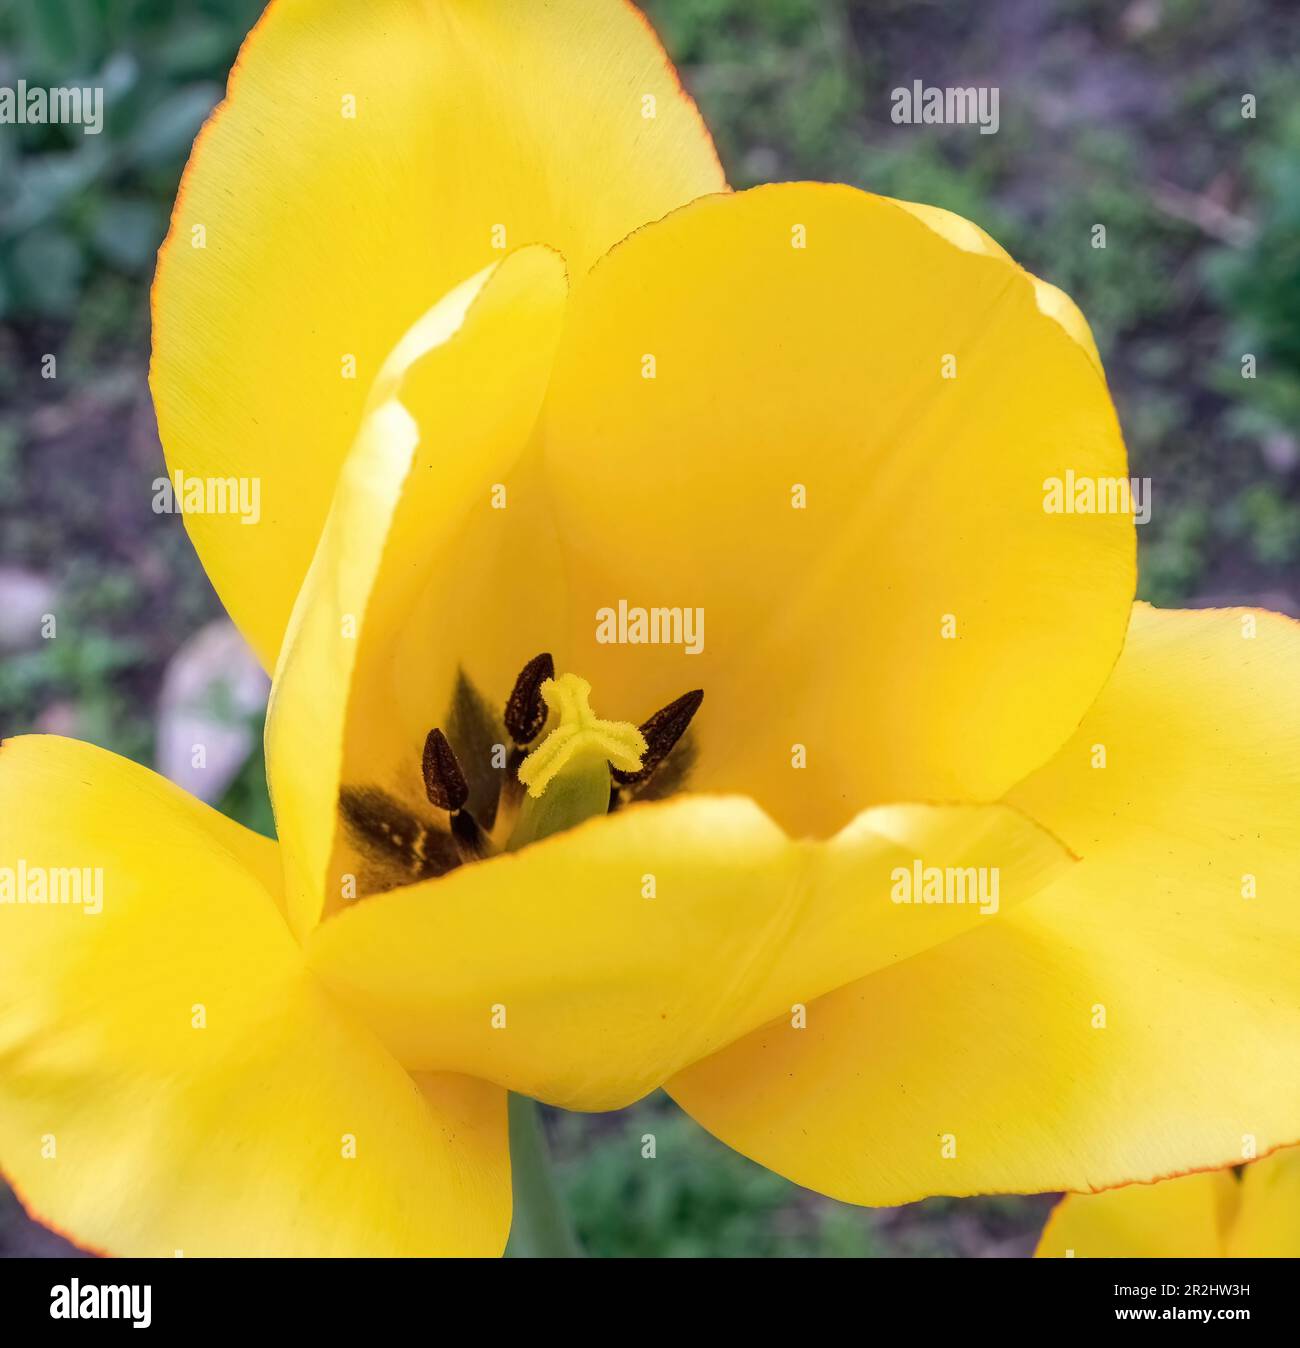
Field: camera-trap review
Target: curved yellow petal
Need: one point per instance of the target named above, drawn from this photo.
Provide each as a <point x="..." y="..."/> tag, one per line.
<point x="1139" y="1018"/>
<point x="412" y="563"/>
<point x="1051" y="300"/>
<point x="367" y="158"/>
<point x="1209" y="1215"/>
<point x="1184" y="1218"/>
<point x="171" y="1081"/>
<point x="828" y="422"/>
<point x="587" y="968"/>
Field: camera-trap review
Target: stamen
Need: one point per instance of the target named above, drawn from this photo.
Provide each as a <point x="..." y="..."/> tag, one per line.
<point x="446" y="787"/>
<point x="661" y="731"/>
<point x="444" y="782"/>
<point x="526" y="709"/>
<point x="580" y="733"/>
<point x="471" y="841"/>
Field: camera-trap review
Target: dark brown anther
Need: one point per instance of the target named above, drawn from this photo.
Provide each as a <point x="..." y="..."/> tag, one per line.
<point x="443" y="779"/>
<point x="662" y="731"/>
<point x="526" y="711"/>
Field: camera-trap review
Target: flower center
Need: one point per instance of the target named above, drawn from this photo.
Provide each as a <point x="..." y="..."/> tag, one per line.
<point x="568" y="775"/>
<point x="580" y="735"/>
<point x="484" y="804"/>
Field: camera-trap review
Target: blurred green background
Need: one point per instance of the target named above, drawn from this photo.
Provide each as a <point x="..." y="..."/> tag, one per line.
<point x="1123" y="114"/>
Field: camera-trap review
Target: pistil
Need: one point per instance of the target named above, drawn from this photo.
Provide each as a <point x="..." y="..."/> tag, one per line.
<point x="568" y="775"/>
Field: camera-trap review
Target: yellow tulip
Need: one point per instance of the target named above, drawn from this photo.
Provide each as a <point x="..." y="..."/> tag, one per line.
<point x="460" y="284"/>
<point x="1253" y="1213"/>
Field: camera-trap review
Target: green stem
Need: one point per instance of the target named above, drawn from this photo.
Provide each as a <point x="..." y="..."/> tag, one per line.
<point x="540" y="1228"/>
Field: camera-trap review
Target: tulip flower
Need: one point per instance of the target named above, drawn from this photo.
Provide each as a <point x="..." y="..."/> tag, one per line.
<point x="1253" y="1212"/>
<point x="678" y="681"/>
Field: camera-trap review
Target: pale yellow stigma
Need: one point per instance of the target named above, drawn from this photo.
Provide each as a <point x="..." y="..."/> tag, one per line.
<point x="580" y="733"/>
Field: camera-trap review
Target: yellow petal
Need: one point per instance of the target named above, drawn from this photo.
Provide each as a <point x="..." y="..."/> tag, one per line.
<point x="921" y="628"/>
<point x="1053" y="302"/>
<point x="1182" y="1218"/>
<point x="1137" y="1019"/>
<point x="587" y="968"/>
<point x="170" y="1078"/>
<point x="1207" y="1215"/>
<point x="396" y="591"/>
<point x="368" y="158"/>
